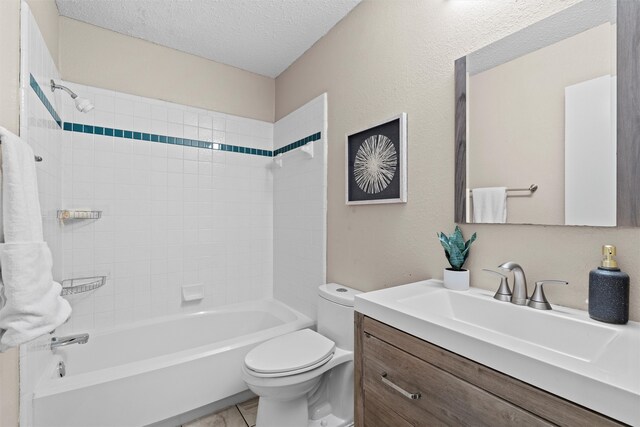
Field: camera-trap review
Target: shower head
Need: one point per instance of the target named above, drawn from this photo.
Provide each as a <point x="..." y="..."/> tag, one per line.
<point x="82" y="104"/>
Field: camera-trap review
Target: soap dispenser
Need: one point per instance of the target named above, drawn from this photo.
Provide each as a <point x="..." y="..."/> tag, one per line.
<point x="609" y="290"/>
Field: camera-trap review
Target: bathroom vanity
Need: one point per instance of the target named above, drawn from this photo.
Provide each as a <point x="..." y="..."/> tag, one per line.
<point x="453" y="389"/>
<point x="421" y="363"/>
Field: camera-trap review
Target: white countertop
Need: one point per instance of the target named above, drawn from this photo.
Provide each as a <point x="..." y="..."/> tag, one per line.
<point x="594" y="364"/>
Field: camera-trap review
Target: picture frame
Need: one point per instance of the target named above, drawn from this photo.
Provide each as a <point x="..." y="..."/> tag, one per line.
<point x="376" y="163"/>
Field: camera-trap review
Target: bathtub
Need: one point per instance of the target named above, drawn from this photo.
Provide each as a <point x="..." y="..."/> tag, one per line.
<point x="154" y="370"/>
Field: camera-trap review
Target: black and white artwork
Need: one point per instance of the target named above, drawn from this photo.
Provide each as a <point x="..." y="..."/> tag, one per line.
<point x="376" y="163"/>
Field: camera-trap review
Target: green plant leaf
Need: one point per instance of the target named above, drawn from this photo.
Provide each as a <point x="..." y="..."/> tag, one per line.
<point x="456" y="240"/>
<point x="446" y="254"/>
<point x="456" y="250"/>
<point x="470" y="241"/>
<point x="456" y="258"/>
<point x="444" y="241"/>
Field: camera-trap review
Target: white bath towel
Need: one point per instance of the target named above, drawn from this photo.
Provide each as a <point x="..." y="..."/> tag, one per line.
<point x="30" y="301"/>
<point x="33" y="305"/>
<point x="21" y="217"/>
<point x="490" y="205"/>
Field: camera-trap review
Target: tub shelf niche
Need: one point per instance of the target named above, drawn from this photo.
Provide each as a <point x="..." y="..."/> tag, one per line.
<point x="82" y="284"/>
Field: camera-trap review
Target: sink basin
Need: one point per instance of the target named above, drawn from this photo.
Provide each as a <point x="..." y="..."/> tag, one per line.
<point x="568" y="335"/>
<point x="562" y="351"/>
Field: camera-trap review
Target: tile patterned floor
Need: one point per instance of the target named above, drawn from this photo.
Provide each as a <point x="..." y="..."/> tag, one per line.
<point x="240" y="415"/>
<point x="249" y="410"/>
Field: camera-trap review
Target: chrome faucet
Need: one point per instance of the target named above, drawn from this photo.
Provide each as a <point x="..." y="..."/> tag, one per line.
<point x="68" y="340"/>
<point x="519" y="296"/>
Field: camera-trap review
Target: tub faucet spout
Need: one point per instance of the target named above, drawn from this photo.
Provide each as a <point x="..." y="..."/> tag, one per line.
<point x="519" y="295"/>
<point x="68" y="340"/>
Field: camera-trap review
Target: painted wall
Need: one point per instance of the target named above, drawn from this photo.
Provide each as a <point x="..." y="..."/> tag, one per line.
<point x="46" y="15"/>
<point x="10" y="70"/>
<point x="10" y="48"/>
<point x="9" y="389"/>
<point x="387" y="57"/>
<point x="94" y="56"/>
<point x="300" y="206"/>
<point x="517" y="131"/>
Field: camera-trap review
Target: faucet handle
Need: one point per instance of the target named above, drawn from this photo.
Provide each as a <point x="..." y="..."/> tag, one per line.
<point x="504" y="292"/>
<point x="539" y="300"/>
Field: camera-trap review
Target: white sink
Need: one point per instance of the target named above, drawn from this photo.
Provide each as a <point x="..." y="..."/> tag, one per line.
<point x="582" y="339"/>
<point x="562" y="350"/>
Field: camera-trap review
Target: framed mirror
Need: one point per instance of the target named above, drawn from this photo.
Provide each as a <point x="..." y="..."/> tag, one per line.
<point x="548" y="121"/>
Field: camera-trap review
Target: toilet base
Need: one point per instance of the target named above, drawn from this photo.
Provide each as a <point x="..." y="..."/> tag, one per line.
<point x="293" y="413"/>
<point x="319" y="398"/>
<point x="279" y="413"/>
<point x="330" y="421"/>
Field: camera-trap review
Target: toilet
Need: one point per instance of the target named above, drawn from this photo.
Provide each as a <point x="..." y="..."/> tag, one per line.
<point x="305" y="378"/>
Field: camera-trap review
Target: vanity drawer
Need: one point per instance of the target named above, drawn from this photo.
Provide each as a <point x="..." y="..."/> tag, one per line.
<point x="445" y="399"/>
<point x="455" y="390"/>
<point x="377" y="414"/>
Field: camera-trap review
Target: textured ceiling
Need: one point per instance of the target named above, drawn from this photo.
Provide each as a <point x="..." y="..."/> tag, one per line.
<point x="262" y="36"/>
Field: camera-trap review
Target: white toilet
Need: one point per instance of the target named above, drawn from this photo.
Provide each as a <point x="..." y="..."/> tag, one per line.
<point x="305" y="378"/>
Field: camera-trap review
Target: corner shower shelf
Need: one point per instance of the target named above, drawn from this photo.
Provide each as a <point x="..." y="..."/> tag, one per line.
<point x="78" y="214"/>
<point x="307" y="149"/>
<point x="82" y="284"/>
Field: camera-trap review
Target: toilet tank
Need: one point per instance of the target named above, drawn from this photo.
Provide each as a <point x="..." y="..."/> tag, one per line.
<point x="335" y="314"/>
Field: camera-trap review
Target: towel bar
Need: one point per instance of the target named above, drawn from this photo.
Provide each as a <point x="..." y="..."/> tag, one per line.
<point x="531" y="189"/>
<point x="36" y="158"/>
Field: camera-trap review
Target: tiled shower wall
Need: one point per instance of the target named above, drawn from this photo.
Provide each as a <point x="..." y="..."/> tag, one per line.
<point x="300" y="208"/>
<point x="39" y="127"/>
<point x="172" y="215"/>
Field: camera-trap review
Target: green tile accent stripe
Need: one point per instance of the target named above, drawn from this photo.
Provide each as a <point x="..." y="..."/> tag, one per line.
<point x="43" y="98"/>
<point x="298" y="143"/>
<point x="163" y="139"/>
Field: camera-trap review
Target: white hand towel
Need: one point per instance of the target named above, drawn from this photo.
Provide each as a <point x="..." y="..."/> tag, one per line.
<point x="30" y="301"/>
<point x="33" y="303"/>
<point x="21" y="217"/>
<point x="490" y="205"/>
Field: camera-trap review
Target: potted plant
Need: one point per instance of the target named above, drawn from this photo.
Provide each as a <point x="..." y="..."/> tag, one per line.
<point x="457" y="252"/>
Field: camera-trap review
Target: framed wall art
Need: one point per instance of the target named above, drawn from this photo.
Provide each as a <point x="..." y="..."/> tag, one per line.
<point x="376" y="163"/>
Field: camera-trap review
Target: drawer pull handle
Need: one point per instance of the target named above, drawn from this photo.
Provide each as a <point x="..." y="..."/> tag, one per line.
<point x="412" y="396"/>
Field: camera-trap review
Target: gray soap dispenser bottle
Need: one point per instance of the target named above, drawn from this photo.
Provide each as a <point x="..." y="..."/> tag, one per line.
<point x="609" y="290"/>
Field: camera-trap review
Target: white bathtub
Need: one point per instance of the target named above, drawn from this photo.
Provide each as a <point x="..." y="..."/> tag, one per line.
<point x="153" y="370"/>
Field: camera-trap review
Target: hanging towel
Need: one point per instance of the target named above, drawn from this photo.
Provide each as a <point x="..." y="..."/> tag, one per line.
<point x="490" y="205"/>
<point x="30" y="301"/>
<point x="21" y="218"/>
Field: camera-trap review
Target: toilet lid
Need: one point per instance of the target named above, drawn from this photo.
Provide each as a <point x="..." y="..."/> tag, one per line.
<point x="290" y="353"/>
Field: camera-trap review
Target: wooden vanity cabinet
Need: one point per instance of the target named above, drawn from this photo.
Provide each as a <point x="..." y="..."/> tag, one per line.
<point x="391" y="365"/>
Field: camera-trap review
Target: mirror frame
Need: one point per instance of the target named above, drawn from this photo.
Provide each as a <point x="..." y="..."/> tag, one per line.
<point x="628" y="121"/>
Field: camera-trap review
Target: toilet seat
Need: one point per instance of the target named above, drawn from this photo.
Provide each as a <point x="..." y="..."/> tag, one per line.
<point x="290" y="354"/>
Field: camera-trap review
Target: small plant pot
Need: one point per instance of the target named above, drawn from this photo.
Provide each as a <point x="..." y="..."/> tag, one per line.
<point x="456" y="280"/>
